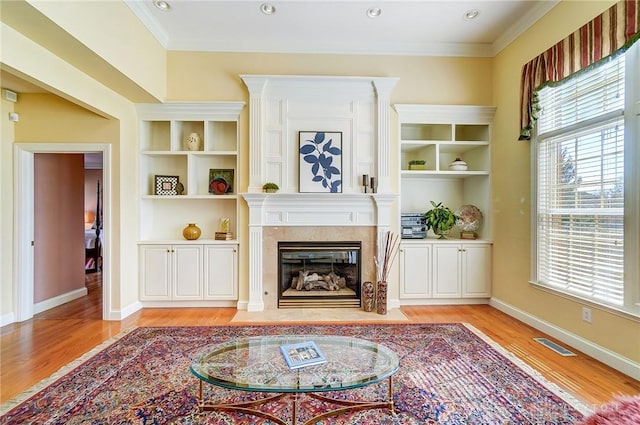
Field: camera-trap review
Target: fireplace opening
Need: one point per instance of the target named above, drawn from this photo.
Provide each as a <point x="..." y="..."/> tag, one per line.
<point x="319" y="274"/>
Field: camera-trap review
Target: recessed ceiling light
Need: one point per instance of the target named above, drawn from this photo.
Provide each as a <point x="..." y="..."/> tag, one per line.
<point x="471" y="14"/>
<point x="267" y="8"/>
<point x="374" y="12"/>
<point x="162" y="5"/>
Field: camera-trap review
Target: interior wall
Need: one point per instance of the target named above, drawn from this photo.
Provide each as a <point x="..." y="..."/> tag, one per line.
<point x="209" y="76"/>
<point x="58" y="225"/>
<point x="512" y="200"/>
<point x="7" y="294"/>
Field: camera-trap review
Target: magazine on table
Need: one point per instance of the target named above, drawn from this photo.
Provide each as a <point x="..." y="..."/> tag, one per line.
<point x="302" y="354"/>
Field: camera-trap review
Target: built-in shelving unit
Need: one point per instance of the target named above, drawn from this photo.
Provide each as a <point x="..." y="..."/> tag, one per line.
<point x="164" y="129"/>
<point x="174" y="270"/>
<point x="451" y="270"/>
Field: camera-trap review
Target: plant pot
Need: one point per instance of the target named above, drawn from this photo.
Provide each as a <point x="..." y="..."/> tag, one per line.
<point x="417" y="166"/>
<point x="442" y="233"/>
<point x="270" y="190"/>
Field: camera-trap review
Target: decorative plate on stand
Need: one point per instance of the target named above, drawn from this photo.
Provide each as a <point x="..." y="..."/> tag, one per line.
<point x="469" y="221"/>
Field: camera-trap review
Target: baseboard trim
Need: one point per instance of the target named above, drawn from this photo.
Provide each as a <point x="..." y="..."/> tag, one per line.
<point x="59" y="300"/>
<point x="7" y="319"/>
<point x="606" y="356"/>
<point x="125" y="312"/>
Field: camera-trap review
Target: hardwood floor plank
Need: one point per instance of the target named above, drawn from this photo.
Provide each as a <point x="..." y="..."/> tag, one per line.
<point x="33" y="350"/>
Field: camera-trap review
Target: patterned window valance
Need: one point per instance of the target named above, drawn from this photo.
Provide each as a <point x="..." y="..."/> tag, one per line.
<point x="612" y="31"/>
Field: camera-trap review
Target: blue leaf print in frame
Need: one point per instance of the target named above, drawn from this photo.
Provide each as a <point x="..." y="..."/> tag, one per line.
<point x="320" y="161"/>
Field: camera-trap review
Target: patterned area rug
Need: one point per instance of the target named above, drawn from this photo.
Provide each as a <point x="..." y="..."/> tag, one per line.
<point x="449" y="374"/>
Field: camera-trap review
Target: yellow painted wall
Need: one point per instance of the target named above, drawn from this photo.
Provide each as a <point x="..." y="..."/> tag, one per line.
<point x="30" y="59"/>
<point x="6" y="214"/>
<point x="512" y="200"/>
<point x="110" y="30"/>
<point x="47" y="118"/>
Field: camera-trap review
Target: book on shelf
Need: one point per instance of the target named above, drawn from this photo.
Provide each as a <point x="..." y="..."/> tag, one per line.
<point x="224" y="236"/>
<point x="302" y="354"/>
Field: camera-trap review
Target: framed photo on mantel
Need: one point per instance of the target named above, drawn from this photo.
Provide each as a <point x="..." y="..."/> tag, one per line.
<point x="320" y="167"/>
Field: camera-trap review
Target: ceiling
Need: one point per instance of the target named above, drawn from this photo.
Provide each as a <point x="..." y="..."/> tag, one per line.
<point x="418" y="27"/>
<point x="415" y="27"/>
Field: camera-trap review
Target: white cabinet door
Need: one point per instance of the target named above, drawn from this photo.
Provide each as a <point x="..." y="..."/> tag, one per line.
<point x="476" y="271"/>
<point x="155" y="272"/>
<point x="415" y="271"/>
<point x="187" y="272"/>
<point x="446" y="271"/>
<point x="220" y="272"/>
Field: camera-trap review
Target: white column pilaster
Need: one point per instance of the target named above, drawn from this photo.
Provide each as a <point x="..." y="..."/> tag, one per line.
<point x="383" y="87"/>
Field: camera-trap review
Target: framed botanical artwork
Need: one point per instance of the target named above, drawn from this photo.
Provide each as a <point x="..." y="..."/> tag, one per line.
<point x="320" y="161"/>
<point x="166" y="185"/>
<point x="220" y="181"/>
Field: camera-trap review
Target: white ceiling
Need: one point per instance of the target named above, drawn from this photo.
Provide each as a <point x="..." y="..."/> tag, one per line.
<point x="418" y="27"/>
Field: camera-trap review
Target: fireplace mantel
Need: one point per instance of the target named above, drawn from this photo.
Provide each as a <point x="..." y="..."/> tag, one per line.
<point x="319" y="209"/>
<point x="281" y="107"/>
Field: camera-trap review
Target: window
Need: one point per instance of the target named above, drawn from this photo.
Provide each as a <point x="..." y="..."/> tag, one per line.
<point x="582" y="208"/>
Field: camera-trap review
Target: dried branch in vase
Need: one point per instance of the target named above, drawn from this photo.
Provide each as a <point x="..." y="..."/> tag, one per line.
<point x="387" y="256"/>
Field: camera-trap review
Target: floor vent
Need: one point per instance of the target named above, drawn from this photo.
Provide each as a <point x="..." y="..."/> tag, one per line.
<point x="555" y="347"/>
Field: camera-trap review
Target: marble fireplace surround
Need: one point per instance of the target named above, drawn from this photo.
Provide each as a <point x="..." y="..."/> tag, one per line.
<point x="282" y="106"/>
<point x="310" y="217"/>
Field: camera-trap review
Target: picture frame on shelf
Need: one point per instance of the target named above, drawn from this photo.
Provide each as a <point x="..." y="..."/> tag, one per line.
<point x="166" y="185"/>
<point x="221" y="181"/>
<point x="320" y="168"/>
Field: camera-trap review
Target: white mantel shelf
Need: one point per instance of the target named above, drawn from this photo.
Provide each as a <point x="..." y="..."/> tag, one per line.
<point x="319" y="209"/>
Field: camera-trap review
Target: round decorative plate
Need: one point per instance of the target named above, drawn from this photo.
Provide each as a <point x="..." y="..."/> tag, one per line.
<point x="469" y="218"/>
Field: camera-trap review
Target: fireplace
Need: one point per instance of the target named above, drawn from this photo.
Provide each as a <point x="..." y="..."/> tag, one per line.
<point x="319" y="274"/>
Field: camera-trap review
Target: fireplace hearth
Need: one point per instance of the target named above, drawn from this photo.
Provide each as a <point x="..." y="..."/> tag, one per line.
<point x="319" y="274"/>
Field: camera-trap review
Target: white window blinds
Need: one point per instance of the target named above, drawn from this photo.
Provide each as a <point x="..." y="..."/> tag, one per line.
<point x="580" y="181"/>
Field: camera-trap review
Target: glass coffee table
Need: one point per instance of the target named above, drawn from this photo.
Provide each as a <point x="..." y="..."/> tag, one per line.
<point x="255" y="364"/>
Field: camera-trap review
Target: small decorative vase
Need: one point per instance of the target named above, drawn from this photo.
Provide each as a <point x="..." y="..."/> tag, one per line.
<point x="458" y="165"/>
<point x="382" y="297"/>
<point x="191" y="232"/>
<point x="442" y="233"/>
<point x="368" y="296"/>
<point x="194" y="142"/>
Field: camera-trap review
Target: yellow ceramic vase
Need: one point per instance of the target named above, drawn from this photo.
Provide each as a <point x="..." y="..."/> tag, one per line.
<point x="191" y="232"/>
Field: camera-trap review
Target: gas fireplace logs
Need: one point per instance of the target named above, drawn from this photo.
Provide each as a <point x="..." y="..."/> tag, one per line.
<point x="306" y="281"/>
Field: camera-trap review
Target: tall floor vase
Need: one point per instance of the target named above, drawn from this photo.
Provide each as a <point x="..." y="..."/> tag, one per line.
<point x="368" y="296"/>
<point x="381" y="295"/>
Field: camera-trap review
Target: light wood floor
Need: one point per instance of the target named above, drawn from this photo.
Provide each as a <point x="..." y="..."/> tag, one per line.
<point x="34" y="349"/>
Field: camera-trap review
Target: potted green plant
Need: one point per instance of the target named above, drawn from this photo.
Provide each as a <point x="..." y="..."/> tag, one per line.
<point x="440" y="219"/>
<point x="270" y="187"/>
<point x="417" y="164"/>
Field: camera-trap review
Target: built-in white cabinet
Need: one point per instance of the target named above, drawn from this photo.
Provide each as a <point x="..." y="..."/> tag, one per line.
<point x="188" y="272"/>
<point x="220" y="272"/>
<point x="415" y="271"/>
<point x="171" y="272"/>
<point x="462" y="270"/>
<point x="431" y="137"/>
<point x="445" y="270"/>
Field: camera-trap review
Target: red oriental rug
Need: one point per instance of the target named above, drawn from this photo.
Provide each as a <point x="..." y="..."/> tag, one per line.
<point x="449" y="374"/>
